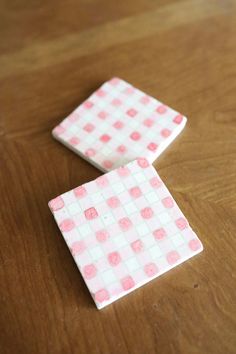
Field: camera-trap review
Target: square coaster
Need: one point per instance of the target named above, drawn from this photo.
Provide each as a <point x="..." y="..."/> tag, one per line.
<point x="117" y="124"/>
<point x="123" y="229"/>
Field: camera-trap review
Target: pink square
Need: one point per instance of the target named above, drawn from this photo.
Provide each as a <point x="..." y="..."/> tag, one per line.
<point x="135" y="192"/>
<point x="123" y="171"/>
<point x="89" y="271"/>
<point x="100" y="93"/>
<point x="145" y="99"/>
<point x="116" y="102"/>
<point x="102" y="235"/>
<point x="91" y="213"/>
<point x="101" y="296"/>
<point x="137" y="246"/>
<point x="73" y="117"/>
<point x="162" y="109"/>
<point x="88" y="104"/>
<point x="58" y="130"/>
<point x="152" y="147"/>
<point x="77" y="247"/>
<point x="89" y="127"/>
<point x="178" y="119"/>
<point x="129" y="90"/>
<point x="155" y="182"/>
<point x="115" y="81"/>
<point x="127" y="283"/>
<point x="114" y="258"/>
<point x="67" y="225"/>
<point x="74" y="140"/>
<point x="165" y="133"/>
<point x="168" y="202"/>
<point x="125" y="224"/>
<point x="181" y="223"/>
<point x="147" y="213"/>
<point x="159" y="234"/>
<point x="172" y="257"/>
<point x="90" y="152"/>
<point x="148" y="122"/>
<point x="80" y="192"/>
<point x="102" y="181"/>
<point x="122" y="149"/>
<point x="135" y="136"/>
<point x="102" y="115"/>
<point x="107" y="164"/>
<point x="105" y="138"/>
<point x="118" y="124"/>
<point x="56" y="204"/>
<point x="151" y="269"/>
<point x="132" y="112"/>
<point x="113" y="202"/>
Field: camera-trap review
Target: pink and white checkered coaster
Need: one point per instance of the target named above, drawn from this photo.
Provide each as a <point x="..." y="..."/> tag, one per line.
<point x="123" y="229"/>
<point x="117" y="124"/>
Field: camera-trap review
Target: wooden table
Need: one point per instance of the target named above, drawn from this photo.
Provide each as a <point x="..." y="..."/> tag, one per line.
<point x="53" y="55"/>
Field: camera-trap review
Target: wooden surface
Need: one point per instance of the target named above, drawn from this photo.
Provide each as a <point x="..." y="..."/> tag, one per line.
<point x="52" y="55"/>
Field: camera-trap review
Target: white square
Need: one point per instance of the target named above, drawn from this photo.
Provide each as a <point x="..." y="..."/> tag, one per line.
<point x="74" y="208"/>
<point x="164" y="218"/>
<point x="116" y="114"/>
<point x="141" y="124"/>
<point x="73" y="129"/>
<point x="152" y="197"/>
<point x="151" y="134"/>
<point x="96" y="253"/>
<point x="133" y="124"/>
<point x="155" y="252"/>
<point x="137" y="148"/>
<point x="108" y="277"/>
<point x="120" y="241"/>
<point x="118" y="187"/>
<point x="84" y="230"/>
<point x="106" y="151"/>
<point x="97" y="197"/>
<point x="103" y="127"/>
<point x="139" y="177"/>
<point x="102" y="104"/>
<point x="130" y="208"/>
<point x="142" y="229"/>
<point x="90" y="139"/>
<point x="148" y="241"/>
<point x="132" y="264"/>
<point x="177" y="240"/>
<point x="108" y="219"/>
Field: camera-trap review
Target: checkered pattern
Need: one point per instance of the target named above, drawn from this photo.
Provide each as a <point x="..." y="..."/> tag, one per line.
<point x="117" y="124"/>
<point x="123" y="229"/>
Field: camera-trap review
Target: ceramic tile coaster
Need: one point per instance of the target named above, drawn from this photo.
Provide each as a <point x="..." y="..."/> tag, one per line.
<point x="117" y="124"/>
<point x="123" y="229"/>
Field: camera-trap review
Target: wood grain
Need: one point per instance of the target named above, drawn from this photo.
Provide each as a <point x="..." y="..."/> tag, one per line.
<point x="52" y="55"/>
